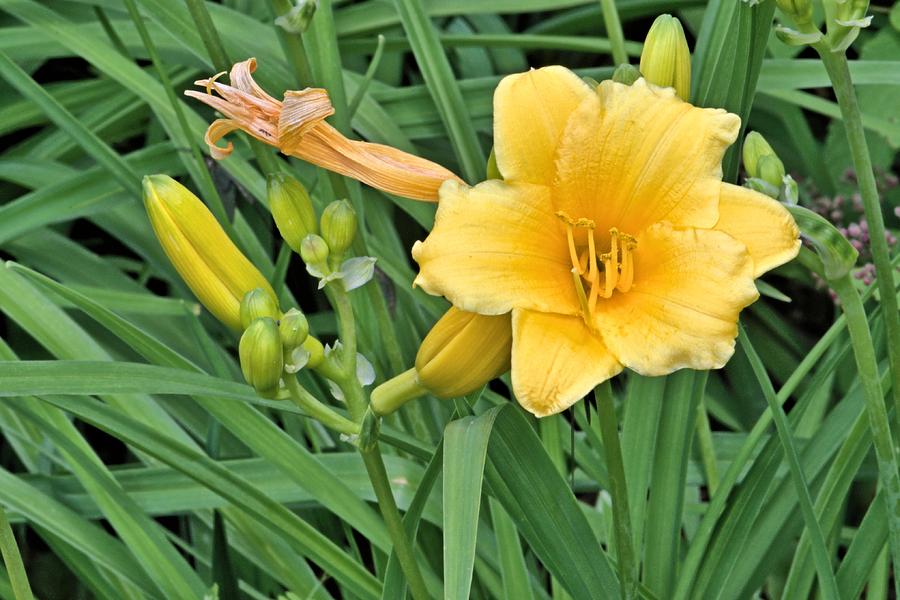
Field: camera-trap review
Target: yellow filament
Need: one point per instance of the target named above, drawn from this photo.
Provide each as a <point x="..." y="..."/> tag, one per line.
<point x="582" y="299"/>
<point x="211" y="81"/>
<point x="627" y="277"/>
<point x="573" y="253"/>
<point x="592" y="258"/>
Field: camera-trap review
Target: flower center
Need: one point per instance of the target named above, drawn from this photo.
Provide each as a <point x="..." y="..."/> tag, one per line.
<point x="597" y="275"/>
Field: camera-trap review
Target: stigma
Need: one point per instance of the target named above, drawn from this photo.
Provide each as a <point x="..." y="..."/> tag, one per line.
<point x="598" y="274"/>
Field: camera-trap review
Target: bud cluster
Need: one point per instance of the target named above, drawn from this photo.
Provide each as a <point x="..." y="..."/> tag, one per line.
<point x="765" y="171"/>
<point x="843" y="21"/>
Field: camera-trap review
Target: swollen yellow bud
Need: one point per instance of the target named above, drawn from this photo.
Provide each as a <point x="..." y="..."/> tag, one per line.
<point x="291" y="208"/>
<point x="666" y="58"/>
<point x="261" y="356"/>
<point x="461" y="353"/>
<point x="207" y="260"/>
<point x="339" y="226"/>
<point x="256" y="304"/>
<point x="294" y="328"/>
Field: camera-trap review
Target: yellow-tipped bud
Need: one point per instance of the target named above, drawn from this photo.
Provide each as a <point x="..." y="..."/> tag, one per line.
<point x="666" y="58"/>
<point x="291" y="208"/>
<point x="626" y="74"/>
<point x="313" y="250"/>
<point x="261" y="356"/>
<point x="756" y="147"/>
<point x="339" y="226"/>
<point x="207" y="260"/>
<point x="461" y="353"/>
<point x="294" y="328"/>
<point x="256" y="304"/>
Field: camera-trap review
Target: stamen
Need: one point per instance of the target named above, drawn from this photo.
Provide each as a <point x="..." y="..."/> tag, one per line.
<point x="592" y="259"/>
<point x="595" y="293"/>
<point x="211" y="81"/>
<point x="627" y="277"/>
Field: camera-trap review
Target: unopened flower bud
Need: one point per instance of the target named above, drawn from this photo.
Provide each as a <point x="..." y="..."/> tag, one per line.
<point x="461" y="353"/>
<point x="313" y="250"/>
<point x="339" y="226"/>
<point x="800" y="11"/>
<point x="294" y="328"/>
<point x="261" y="356"/>
<point x="202" y="253"/>
<point x="291" y="208"/>
<point x="755" y="147"/>
<point x="666" y="58"/>
<point x="626" y="73"/>
<point x="297" y="19"/>
<point x="258" y="303"/>
<point x="771" y="169"/>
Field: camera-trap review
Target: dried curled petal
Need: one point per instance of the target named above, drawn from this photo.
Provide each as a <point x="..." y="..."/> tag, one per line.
<point x="297" y="127"/>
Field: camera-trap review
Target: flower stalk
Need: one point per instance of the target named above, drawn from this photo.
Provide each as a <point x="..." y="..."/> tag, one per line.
<point x="839" y="73"/>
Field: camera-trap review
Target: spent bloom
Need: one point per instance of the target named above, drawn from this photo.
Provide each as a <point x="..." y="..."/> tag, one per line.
<point x="297" y="127"/>
<point x="612" y="240"/>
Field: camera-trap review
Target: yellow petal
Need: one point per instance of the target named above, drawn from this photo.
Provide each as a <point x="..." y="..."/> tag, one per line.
<point x="682" y="309"/>
<point x="530" y="113"/>
<point x="635" y="155"/>
<point x="464" y="351"/>
<point x="556" y="361"/>
<point x="495" y="247"/>
<point x="760" y="223"/>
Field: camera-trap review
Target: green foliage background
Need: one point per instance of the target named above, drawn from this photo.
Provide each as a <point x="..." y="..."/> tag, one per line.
<point x="134" y="463"/>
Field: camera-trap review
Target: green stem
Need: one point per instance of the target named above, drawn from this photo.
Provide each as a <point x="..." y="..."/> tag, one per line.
<point x="614" y="31"/>
<point x="18" y="579"/>
<point x="839" y="73"/>
<point x="314" y="408"/>
<point x="817" y="539"/>
<point x="609" y="432"/>
<point x="707" y="448"/>
<point x="367" y="78"/>
<point x="867" y="366"/>
<point x="402" y="548"/>
<point x="292" y="44"/>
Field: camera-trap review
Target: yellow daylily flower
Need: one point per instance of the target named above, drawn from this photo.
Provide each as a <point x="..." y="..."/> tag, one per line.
<point x="612" y="240"/>
<point x="297" y="127"/>
<point x="202" y="253"/>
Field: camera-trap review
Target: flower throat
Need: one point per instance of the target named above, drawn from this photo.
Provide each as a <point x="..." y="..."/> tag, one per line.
<point x="602" y="273"/>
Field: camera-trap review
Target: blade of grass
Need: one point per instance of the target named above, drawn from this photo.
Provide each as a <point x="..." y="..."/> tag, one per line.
<point x="18" y="578"/>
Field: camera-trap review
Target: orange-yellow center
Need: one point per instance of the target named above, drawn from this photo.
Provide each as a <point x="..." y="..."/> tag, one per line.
<point x="598" y="274"/>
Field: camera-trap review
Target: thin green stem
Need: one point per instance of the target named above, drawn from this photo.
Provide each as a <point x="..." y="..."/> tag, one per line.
<point x="817" y="539"/>
<point x="839" y="73"/>
<point x="402" y="547"/>
<point x="614" y="31"/>
<point x="867" y="367"/>
<point x="609" y="432"/>
<point x="367" y="78"/>
<point x="18" y="579"/>
<point x="707" y="448"/>
<point x="110" y="32"/>
<point x="319" y="411"/>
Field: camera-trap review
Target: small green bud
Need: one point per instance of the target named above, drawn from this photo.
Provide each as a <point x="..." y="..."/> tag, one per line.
<point x="316" y="351"/>
<point x="800" y="11"/>
<point x="339" y="226"/>
<point x="258" y="303"/>
<point x="261" y="356"/>
<point x="291" y="208"/>
<point x="626" y="74"/>
<point x="771" y="169"/>
<point x="755" y="147"/>
<point x="297" y="19"/>
<point x="293" y="328"/>
<point x="666" y="58"/>
<point x="313" y="250"/>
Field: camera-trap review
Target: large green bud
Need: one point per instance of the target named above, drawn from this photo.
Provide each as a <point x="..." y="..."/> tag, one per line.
<point x="339" y="226"/>
<point x="291" y="208"/>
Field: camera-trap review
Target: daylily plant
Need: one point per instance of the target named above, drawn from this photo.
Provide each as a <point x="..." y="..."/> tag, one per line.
<point x="612" y="239"/>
